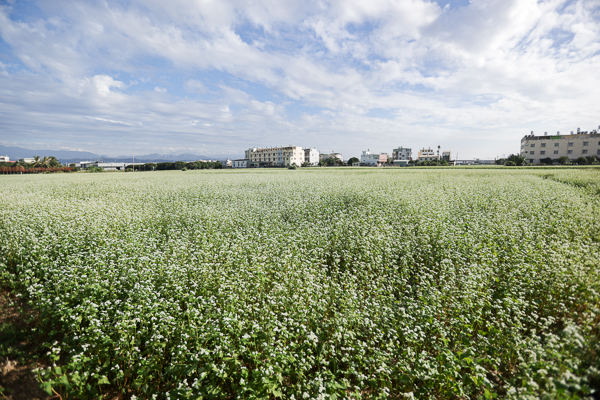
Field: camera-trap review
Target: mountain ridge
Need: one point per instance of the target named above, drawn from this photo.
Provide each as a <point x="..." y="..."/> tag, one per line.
<point x="66" y="156"/>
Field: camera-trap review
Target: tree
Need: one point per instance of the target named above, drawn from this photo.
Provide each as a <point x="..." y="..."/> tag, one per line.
<point x="510" y="164"/>
<point x="547" y="161"/>
<point x="563" y="160"/>
<point x="94" y="168"/>
<point x="582" y="161"/>
<point x="518" y="159"/>
<point x="179" y="165"/>
<point x="353" y="160"/>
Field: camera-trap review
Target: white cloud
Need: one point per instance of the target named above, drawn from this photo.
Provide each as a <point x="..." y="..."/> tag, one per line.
<point x="495" y="67"/>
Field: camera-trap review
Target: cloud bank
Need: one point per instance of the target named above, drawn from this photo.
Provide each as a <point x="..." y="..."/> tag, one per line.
<point x="216" y="77"/>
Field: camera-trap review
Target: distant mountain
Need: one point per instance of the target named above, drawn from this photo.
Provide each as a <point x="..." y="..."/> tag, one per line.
<point x="62" y="155"/>
<point x="155" y="157"/>
<point x="68" y="156"/>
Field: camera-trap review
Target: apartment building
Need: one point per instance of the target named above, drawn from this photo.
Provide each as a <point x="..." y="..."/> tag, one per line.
<point x="275" y="156"/>
<point x="573" y="146"/>
<point x="240" y="163"/>
<point x="401" y="153"/>
<point x="311" y="156"/>
<point x="372" y="159"/>
<point x="427" y="155"/>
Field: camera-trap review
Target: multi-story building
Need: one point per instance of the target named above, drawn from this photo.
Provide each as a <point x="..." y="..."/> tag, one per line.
<point x="240" y="163"/>
<point x="575" y="145"/>
<point x="311" y="156"/>
<point x="325" y="156"/>
<point x="4" y="159"/>
<point x="427" y="155"/>
<point x="275" y="156"/>
<point x="401" y="153"/>
<point x="373" y="160"/>
<point x="446" y="155"/>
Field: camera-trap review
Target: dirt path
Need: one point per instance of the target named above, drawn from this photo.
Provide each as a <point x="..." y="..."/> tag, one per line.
<point x="19" y="353"/>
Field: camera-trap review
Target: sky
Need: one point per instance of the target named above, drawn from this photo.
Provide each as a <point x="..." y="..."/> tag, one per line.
<point x="216" y="77"/>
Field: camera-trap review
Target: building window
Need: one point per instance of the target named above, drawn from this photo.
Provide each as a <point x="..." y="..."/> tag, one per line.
<point x="555" y="151"/>
<point x="570" y="144"/>
<point x="584" y="151"/>
<point x="543" y="145"/>
<point x="569" y="151"/>
<point x="532" y="144"/>
<point x="555" y="144"/>
<point x="542" y="152"/>
<point x="532" y="152"/>
<point x="598" y="151"/>
<point x="585" y="143"/>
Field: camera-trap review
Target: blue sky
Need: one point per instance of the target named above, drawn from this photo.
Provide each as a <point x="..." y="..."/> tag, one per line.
<point x="216" y="77"/>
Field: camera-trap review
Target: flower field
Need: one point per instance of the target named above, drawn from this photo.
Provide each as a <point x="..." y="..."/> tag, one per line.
<point x="310" y="284"/>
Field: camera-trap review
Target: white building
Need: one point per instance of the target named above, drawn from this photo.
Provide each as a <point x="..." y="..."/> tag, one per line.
<point x="275" y="156"/>
<point x="240" y="163"/>
<point x="227" y="163"/>
<point x="4" y="159"/>
<point x="427" y="155"/>
<point x="29" y="160"/>
<point x="573" y="146"/>
<point x="111" y="166"/>
<point x="401" y="153"/>
<point x="84" y="164"/>
<point x="373" y="160"/>
<point x="311" y="156"/>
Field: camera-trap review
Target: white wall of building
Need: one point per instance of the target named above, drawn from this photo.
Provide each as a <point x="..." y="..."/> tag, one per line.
<point x="311" y="156"/>
<point x="241" y="163"/>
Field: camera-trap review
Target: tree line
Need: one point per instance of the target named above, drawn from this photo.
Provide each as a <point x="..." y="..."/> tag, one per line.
<point x="519" y="160"/>
<point x="39" y="165"/>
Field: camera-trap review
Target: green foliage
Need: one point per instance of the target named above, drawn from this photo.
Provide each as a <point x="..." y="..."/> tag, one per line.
<point x="268" y="284"/>
<point x="547" y="161"/>
<point x="563" y="160"/>
<point x="94" y="168"/>
<point x="518" y="159"/>
<point x="582" y="160"/>
<point x="353" y="160"/>
<point x="510" y="164"/>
